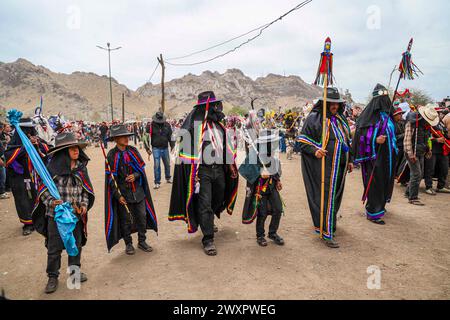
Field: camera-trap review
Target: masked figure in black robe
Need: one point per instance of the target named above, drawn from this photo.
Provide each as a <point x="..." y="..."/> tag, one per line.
<point x="68" y="168"/>
<point x="205" y="182"/>
<point x="263" y="197"/>
<point x="375" y="148"/>
<point x="133" y="193"/>
<point x="337" y="162"/>
<point x="21" y="174"/>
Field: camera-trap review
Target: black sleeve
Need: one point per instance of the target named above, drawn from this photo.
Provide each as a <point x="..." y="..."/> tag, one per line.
<point x="169" y="137"/>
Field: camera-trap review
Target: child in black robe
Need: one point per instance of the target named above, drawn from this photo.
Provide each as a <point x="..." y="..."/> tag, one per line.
<point x="128" y="208"/>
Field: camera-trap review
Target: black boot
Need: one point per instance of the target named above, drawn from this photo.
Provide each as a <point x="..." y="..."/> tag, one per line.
<point x="277" y="239"/>
<point x="129" y="250"/>
<point x="144" y="246"/>
<point x="27" y="230"/>
<point x="52" y="285"/>
<point x="83" y="276"/>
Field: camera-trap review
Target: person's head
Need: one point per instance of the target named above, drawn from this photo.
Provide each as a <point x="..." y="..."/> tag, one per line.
<point x="74" y="153"/>
<point x="334" y="108"/>
<point x="121" y="141"/>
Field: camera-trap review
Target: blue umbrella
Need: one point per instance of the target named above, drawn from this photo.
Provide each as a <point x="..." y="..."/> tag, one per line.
<point x="64" y="217"/>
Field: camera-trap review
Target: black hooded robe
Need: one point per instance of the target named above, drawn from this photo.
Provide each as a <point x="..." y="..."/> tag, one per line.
<point x="59" y="165"/>
<point x="183" y="200"/>
<point x="112" y="224"/>
<point x="376" y="120"/>
<point x="336" y="163"/>
<point x="22" y="177"/>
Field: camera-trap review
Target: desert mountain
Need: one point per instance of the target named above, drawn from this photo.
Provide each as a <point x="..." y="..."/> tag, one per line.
<point x="84" y="95"/>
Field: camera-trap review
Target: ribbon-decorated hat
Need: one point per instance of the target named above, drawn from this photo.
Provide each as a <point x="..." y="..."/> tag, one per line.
<point x="204" y="96"/>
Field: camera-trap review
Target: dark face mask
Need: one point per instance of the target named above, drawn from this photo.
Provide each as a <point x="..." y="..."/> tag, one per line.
<point x="216" y="113"/>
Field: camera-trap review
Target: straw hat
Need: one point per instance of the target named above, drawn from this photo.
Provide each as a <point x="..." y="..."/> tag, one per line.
<point x="430" y="114"/>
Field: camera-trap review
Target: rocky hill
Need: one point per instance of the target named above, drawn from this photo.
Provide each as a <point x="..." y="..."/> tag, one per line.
<point x="86" y="95"/>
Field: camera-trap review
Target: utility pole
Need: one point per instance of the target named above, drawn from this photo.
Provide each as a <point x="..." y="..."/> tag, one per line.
<point x="110" y="79"/>
<point x="163" y="74"/>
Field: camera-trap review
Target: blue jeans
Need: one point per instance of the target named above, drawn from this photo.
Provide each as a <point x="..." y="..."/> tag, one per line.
<point x="163" y="154"/>
<point x="2" y="180"/>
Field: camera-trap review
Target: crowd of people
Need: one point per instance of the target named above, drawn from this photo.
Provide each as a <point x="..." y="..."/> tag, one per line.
<point x="388" y="141"/>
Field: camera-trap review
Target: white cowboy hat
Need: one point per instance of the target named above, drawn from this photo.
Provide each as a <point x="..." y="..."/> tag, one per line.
<point x="430" y="114"/>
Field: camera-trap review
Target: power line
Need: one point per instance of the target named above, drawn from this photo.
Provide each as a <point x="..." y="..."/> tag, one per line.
<point x="217" y="45"/>
<point x="261" y="30"/>
<point x="153" y="73"/>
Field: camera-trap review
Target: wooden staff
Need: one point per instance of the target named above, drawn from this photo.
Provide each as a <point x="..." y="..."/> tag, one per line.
<point x="324" y="75"/>
<point x="324" y="134"/>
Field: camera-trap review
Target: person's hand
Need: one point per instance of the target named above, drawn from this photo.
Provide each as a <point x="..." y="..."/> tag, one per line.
<point x="122" y="201"/>
<point x="350" y="167"/>
<point x="55" y="203"/>
<point x="279" y="186"/>
<point x="440" y="140"/>
<point x="234" y="173"/>
<point x="381" y="139"/>
<point x="83" y="210"/>
<point x="130" y="178"/>
<point x="34" y="140"/>
<point x="320" y="153"/>
<point x="413" y="159"/>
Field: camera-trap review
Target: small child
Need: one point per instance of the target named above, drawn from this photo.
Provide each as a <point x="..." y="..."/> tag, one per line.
<point x="68" y="169"/>
<point x="263" y="195"/>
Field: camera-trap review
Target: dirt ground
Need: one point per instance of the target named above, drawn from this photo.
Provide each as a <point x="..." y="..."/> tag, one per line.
<point x="412" y="251"/>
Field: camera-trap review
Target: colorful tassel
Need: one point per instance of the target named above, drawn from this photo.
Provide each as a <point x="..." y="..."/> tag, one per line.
<point x="326" y="65"/>
<point x="408" y="70"/>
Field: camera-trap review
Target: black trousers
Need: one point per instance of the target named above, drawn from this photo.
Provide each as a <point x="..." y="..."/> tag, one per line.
<point x="270" y="204"/>
<point x="437" y="164"/>
<point x="139" y="221"/>
<point x="210" y="198"/>
<point x="23" y="198"/>
<point x="55" y="247"/>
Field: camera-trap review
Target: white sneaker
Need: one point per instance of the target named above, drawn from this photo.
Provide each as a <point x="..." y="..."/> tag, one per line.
<point x="431" y="192"/>
<point x="157" y="186"/>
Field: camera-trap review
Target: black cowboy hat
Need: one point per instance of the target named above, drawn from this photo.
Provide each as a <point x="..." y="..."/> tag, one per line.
<point x="118" y="130"/>
<point x="333" y="96"/>
<point x="204" y="96"/>
<point x="159" y="117"/>
<point x="66" y="140"/>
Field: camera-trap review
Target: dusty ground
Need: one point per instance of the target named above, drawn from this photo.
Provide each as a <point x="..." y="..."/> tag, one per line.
<point x="412" y="251"/>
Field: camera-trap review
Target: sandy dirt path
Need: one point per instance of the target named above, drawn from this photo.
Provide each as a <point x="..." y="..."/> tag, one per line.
<point x="412" y="251"/>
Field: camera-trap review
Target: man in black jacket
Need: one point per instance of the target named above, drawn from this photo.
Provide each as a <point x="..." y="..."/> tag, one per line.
<point x="161" y="139"/>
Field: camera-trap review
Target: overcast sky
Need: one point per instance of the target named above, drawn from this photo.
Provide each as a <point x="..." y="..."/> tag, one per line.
<point x="368" y="38"/>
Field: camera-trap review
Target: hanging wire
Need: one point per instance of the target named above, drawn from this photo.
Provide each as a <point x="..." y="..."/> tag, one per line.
<point x="153" y="73"/>
<point x="261" y="30"/>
